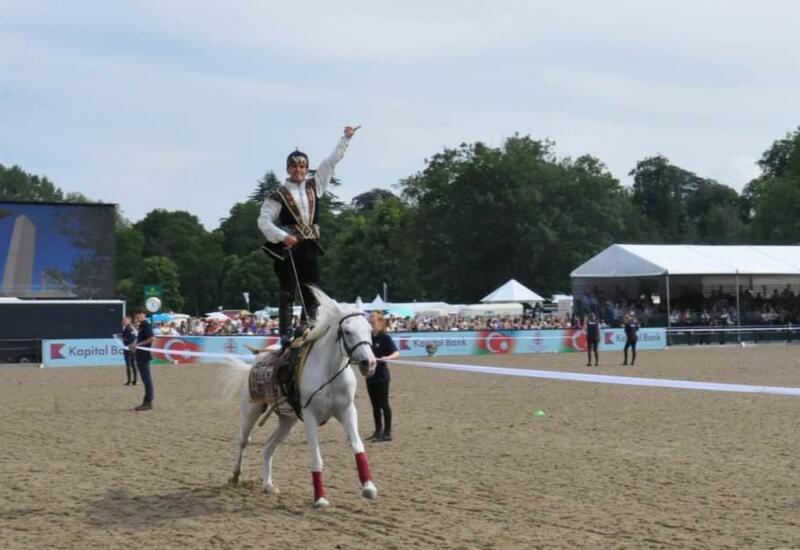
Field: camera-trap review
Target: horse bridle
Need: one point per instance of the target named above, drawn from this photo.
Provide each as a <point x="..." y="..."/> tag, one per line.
<point x="343" y="342"/>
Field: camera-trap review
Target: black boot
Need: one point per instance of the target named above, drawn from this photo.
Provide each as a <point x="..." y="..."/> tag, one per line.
<point x="310" y="312"/>
<point x="285" y="306"/>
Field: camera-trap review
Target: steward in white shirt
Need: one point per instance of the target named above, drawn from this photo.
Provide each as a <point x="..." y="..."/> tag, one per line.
<point x="289" y="220"/>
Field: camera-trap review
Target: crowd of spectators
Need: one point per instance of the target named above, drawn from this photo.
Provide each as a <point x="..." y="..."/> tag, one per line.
<point x="533" y="321"/>
<point x="690" y="308"/>
<point x="693" y="308"/>
<point x="245" y="325"/>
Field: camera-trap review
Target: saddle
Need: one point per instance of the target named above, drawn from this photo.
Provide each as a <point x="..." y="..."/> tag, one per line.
<point x="278" y="380"/>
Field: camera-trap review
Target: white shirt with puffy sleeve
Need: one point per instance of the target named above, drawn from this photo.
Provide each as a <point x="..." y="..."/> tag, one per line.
<point x="271" y="208"/>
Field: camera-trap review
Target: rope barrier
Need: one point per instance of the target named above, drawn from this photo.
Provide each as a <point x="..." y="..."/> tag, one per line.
<point x="544" y="374"/>
<point x="604" y="379"/>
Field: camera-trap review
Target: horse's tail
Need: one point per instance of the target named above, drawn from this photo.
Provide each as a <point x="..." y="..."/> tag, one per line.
<point x="234" y="377"/>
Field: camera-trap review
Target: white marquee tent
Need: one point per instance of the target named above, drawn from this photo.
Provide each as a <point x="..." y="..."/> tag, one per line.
<point x="648" y="260"/>
<point x="377" y="303"/>
<point x="510" y="292"/>
<point x="707" y="266"/>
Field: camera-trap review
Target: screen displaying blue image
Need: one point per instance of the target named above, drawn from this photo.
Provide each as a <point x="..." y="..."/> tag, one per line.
<point x="57" y="250"/>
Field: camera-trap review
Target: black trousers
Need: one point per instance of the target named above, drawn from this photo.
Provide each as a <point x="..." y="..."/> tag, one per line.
<point x="130" y="366"/>
<point x="630" y="344"/>
<point x="306" y="259"/>
<point x="379" y="397"/>
<point x="591" y="345"/>
<point x="143" y="364"/>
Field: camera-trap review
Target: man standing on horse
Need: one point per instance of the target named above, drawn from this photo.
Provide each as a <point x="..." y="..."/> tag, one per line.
<point x="289" y="220"/>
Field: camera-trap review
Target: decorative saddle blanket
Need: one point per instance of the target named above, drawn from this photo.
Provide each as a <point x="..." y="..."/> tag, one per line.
<point x="279" y="377"/>
<point x="263" y="382"/>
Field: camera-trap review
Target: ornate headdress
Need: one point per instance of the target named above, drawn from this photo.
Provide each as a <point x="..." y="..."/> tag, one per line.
<point x="297" y="157"/>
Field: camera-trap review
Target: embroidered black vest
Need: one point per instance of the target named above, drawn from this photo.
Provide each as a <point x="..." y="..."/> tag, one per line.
<point x="290" y="218"/>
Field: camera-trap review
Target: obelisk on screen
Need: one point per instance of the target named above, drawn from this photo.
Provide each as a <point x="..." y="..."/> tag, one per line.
<point x="18" y="271"/>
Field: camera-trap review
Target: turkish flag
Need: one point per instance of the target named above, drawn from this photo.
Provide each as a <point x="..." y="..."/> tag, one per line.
<point x="172" y="345"/>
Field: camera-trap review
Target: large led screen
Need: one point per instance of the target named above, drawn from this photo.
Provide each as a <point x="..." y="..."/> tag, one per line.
<point x="57" y="250"/>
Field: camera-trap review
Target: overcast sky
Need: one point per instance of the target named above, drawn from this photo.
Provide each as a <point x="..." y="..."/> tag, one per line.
<point x="184" y="104"/>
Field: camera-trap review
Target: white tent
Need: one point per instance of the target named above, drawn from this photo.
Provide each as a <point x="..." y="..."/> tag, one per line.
<point x="648" y="260"/>
<point x="706" y="267"/>
<point x="376" y="304"/>
<point x="512" y="291"/>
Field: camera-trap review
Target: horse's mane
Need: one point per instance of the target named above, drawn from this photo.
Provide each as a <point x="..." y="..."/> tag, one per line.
<point x="330" y="311"/>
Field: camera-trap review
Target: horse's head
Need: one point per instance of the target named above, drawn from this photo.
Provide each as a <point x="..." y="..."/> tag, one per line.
<point x="355" y="336"/>
<point x="353" y="333"/>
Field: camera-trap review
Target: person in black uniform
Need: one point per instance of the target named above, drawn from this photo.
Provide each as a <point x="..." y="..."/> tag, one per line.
<point x="144" y="338"/>
<point x="631" y="326"/>
<point x="289" y="220"/>
<point x="378" y="384"/>
<point x="592" y="328"/>
<point x="129" y="338"/>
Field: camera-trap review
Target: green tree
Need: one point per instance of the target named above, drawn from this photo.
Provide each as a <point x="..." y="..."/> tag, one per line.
<point x="483" y="215"/>
<point x="714" y="212"/>
<point x="239" y="231"/>
<point x="682" y="207"/>
<point x="266" y="185"/>
<point x="782" y="158"/>
<point x="370" y="198"/>
<point x="773" y="200"/>
<point x="129" y="250"/>
<point x="158" y="270"/>
<point x="18" y="185"/>
<point x="252" y="273"/>
<point x="197" y="254"/>
<point x="370" y="248"/>
<point x="660" y="191"/>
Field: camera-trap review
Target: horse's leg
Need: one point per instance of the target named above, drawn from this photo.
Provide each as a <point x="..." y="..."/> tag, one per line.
<point x="285" y="425"/>
<point x="250" y="413"/>
<point x="348" y="418"/>
<point x="315" y="461"/>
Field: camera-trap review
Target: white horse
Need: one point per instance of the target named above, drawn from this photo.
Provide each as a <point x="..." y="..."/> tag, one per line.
<point x="327" y="386"/>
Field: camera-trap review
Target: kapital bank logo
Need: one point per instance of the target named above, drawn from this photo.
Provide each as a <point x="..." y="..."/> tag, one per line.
<point x="55" y="351"/>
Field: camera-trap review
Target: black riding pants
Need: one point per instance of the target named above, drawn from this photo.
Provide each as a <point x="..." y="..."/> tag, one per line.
<point x="130" y="366"/>
<point x="306" y="259"/>
<point x="379" y="397"/>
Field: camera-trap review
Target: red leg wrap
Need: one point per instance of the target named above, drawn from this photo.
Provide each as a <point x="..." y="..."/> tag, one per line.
<point x="319" y="489"/>
<point x="363" y="468"/>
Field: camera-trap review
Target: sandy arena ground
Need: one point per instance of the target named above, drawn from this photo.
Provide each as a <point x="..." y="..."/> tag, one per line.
<point x="470" y="466"/>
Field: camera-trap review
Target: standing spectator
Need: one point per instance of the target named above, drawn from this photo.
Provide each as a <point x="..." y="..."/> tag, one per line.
<point x="592" y="328"/>
<point x="631" y="326"/>
<point x="129" y="339"/>
<point x="144" y="338"/>
<point x="378" y="384"/>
